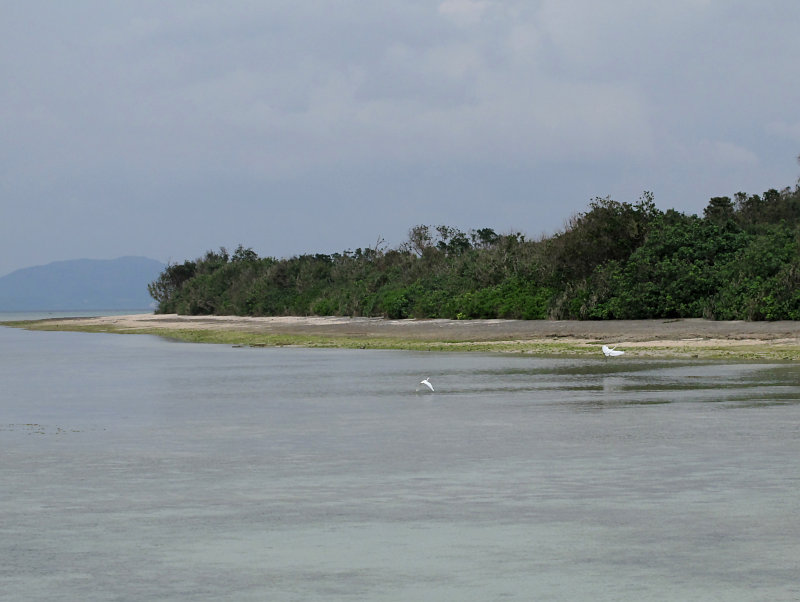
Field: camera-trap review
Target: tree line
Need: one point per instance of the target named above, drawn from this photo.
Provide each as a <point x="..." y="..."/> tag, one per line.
<point x="740" y="260"/>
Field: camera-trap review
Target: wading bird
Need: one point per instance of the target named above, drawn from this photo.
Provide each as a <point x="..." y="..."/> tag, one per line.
<point x="610" y="351"/>
<point x="426" y="383"/>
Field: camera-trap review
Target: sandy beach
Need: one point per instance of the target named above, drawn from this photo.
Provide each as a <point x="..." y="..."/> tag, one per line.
<point x="695" y="337"/>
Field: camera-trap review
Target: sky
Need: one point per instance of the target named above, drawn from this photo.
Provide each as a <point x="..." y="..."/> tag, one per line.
<point x="166" y="129"/>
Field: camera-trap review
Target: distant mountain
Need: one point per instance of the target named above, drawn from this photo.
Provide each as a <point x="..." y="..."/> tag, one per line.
<point x="81" y="284"/>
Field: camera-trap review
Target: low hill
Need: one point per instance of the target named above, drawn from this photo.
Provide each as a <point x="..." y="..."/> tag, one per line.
<point x="81" y="284"/>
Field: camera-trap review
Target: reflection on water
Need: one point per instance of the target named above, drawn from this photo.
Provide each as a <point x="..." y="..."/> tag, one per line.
<point x="135" y="468"/>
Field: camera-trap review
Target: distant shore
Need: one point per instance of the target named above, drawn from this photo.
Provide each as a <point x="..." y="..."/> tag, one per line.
<point x="646" y="338"/>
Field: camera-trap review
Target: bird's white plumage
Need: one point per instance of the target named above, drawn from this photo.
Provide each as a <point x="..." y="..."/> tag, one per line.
<point x="427" y="383"/>
<point x="611" y="352"/>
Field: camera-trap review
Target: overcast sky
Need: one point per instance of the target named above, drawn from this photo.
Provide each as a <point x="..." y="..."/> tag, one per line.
<point x="165" y="129"/>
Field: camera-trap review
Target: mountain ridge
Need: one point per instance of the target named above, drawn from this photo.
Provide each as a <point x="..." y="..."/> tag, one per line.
<point x="73" y="284"/>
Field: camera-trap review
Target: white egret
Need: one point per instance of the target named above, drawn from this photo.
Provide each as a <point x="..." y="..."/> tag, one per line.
<point x="611" y="352"/>
<point x="426" y="383"/>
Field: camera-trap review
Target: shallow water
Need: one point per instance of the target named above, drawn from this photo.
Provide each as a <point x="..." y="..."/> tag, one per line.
<point x="134" y="468"/>
<point x="12" y="316"/>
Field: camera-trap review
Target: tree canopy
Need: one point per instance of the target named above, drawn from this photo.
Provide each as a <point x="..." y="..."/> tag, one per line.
<point x="616" y="260"/>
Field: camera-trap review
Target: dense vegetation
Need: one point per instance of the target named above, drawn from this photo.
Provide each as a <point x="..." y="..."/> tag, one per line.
<point x="740" y="260"/>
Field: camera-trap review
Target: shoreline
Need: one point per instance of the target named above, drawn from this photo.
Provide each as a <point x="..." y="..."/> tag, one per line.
<point x="693" y="337"/>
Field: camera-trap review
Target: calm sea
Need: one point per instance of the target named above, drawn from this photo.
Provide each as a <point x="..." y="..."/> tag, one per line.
<point x="134" y="468"/>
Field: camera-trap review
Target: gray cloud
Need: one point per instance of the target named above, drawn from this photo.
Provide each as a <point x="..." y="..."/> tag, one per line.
<point x="294" y="127"/>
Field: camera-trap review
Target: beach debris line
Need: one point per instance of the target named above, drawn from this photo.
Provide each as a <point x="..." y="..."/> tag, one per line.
<point x="611" y="351"/>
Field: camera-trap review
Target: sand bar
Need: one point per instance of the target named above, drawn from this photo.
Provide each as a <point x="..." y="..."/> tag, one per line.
<point x="682" y="337"/>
